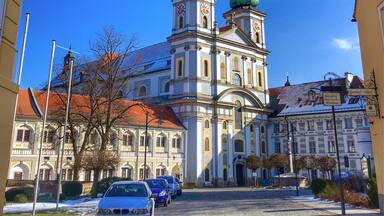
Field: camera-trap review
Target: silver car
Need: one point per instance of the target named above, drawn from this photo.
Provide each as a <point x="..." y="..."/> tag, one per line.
<point x="127" y="198"/>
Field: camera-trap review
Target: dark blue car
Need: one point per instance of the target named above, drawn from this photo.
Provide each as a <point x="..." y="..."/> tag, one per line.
<point x="159" y="187"/>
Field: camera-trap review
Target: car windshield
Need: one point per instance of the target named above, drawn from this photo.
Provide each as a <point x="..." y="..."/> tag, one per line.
<point x="127" y="190"/>
<point x="168" y="178"/>
<point x="156" y="183"/>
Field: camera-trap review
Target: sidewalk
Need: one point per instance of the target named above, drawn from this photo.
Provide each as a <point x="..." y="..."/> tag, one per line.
<point x="333" y="208"/>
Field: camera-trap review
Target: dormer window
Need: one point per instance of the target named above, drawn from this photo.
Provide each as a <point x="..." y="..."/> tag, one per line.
<point x="312" y="95"/>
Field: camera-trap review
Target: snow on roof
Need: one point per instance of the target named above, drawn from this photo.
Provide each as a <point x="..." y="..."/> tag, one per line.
<point x="297" y="100"/>
<point x="149" y="59"/>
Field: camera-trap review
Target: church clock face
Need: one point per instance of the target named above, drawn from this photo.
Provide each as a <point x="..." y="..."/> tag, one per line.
<point x="205" y="9"/>
<point x="256" y="26"/>
<point x="180" y="9"/>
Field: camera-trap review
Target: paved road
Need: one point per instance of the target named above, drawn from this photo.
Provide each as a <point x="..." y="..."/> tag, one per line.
<point x="238" y="202"/>
<point x="242" y="202"/>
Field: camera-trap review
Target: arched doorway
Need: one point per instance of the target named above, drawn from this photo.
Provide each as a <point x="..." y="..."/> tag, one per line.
<point x="240" y="179"/>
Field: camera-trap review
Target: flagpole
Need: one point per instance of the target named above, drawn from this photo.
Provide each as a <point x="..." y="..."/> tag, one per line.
<point x="60" y="167"/>
<point x="37" y="177"/>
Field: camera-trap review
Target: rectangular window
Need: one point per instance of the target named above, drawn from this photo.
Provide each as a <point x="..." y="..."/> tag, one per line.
<point x="295" y="148"/>
<point x="68" y="138"/>
<point x="359" y="123"/>
<point x="276" y="128"/>
<point x="320" y="125"/>
<point x="126" y="173"/>
<point x="311" y="125"/>
<point x="125" y="140"/>
<point x="312" y="147"/>
<point x="302" y="126"/>
<point x="331" y="146"/>
<point x="351" y="146"/>
<point x="277" y="148"/>
<point x="142" y="140"/>
<point x="348" y="123"/>
<point x="178" y="143"/>
<point x="329" y="125"/>
<point x="19" y="137"/>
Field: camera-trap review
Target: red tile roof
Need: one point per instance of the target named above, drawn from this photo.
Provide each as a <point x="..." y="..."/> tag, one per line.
<point x="30" y="102"/>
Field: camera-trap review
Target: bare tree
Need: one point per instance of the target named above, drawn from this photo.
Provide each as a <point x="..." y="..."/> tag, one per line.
<point x="326" y="164"/>
<point x="308" y="163"/>
<point x="101" y="106"/>
<point x="253" y="163"/>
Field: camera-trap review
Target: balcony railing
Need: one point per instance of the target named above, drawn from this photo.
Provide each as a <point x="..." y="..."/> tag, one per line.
<point x="21" y="151"/>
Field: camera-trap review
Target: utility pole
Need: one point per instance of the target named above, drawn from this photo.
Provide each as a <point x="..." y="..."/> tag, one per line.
<point x="294" y="159"/>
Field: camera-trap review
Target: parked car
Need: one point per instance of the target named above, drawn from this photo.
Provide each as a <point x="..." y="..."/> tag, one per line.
<point x="179" y="187"/>
<point x="125" y="197"/>
<point x="159" y="187"/>
<point x="171" y="184"/>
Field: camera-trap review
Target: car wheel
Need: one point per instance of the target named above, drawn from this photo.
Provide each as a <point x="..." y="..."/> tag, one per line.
<point x="165" y="204"/>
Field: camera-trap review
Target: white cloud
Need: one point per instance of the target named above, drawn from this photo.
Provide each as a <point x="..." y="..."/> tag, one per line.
<point x="345" y="43"/>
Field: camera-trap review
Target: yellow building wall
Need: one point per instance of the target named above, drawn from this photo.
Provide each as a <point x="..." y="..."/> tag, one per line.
<point x="8" y="89"/>
<point x="372" y="54"/>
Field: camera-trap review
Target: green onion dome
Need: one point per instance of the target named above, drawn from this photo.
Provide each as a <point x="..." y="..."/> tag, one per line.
<point x="241" y="3"/>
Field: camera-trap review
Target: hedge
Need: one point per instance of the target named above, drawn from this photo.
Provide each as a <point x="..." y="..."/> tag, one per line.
<point x="72" y="188"/>
<point x="11" y="194"/>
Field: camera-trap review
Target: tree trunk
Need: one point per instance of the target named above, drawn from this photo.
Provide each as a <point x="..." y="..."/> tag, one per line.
<point x="278" y="172"/>
<point x="96" y="176"/>
<point x="255" y="177"/>
<point x="76" y="168"/>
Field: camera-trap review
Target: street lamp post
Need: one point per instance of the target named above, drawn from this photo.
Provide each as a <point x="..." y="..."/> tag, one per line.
<point x="145" y="145"/>
<point x="332" y="97"/>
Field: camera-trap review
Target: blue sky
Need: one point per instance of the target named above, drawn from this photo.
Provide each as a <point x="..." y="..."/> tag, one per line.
<point x="307" y="38"/>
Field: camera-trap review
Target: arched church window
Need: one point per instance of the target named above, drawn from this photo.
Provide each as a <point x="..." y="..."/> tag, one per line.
<point x="205" y="22"/>
<point x="179" y="69"/>
<point x="142" y="91"/>
<point x="206" y="144"/>
<point x="223" y="71"/>
<point x="260" y="79"/>
<point x="206" y="68"/>
<point x="206" y="175"/>
<point x="181" y="22"/>
<point x="238" y="116"/>
<point x="257" y="37"/>
<point x="206" y="124"/>
<point x="225" y="126"/>
<point x="251" y="128"/>
<point x="262" y="129"/>
<point x="250" y="77"/>
<point x="236" y="79"/>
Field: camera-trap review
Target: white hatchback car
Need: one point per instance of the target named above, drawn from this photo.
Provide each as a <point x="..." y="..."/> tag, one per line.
<point x="127" y="198"/>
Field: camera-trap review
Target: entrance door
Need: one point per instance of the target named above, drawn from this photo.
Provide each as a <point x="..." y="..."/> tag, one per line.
<point x="240" y="174"/>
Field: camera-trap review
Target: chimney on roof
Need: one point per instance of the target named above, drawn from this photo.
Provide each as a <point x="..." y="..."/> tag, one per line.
<point x="348" y="79"/>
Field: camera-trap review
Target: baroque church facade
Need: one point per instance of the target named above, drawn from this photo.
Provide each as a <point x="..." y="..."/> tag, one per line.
<point x="215" y="79"/>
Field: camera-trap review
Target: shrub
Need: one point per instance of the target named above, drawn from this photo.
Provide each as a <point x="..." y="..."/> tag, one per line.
<point x="102" y="186"/>
<point x="373" y="197"/>
<point x="355" y="183"/>
<point x="11" y="194"/>
<point x="330" y="192"/>
<point x="318" y="186"/>
<point x="356" y="199"/>
<point x="21" y="198"/>
<point x="72" y="188"/>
